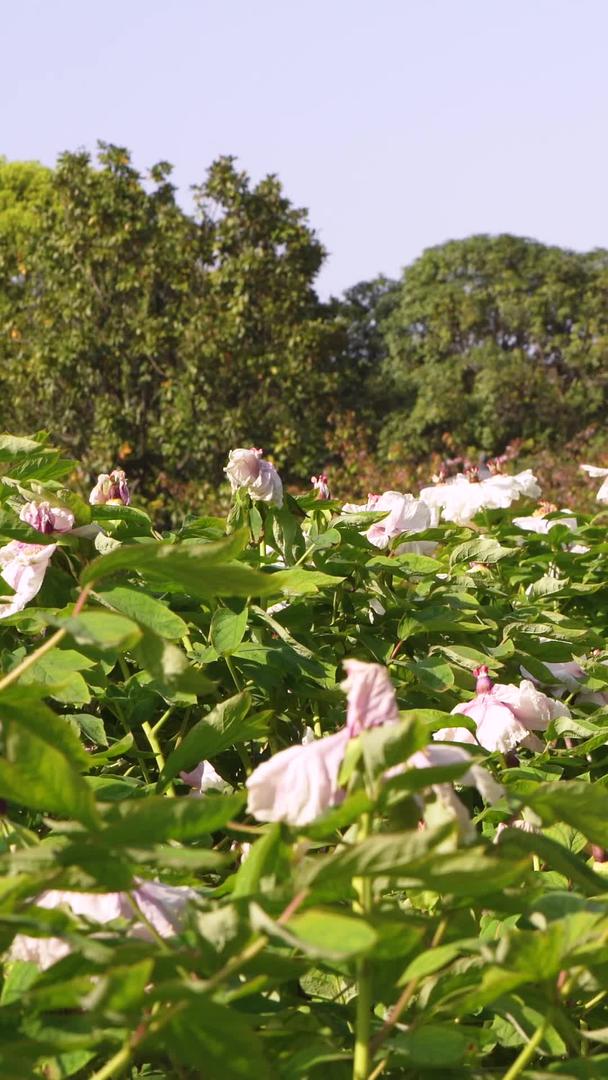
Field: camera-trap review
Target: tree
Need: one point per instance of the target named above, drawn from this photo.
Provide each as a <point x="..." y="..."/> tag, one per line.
<point x="144" y="334"/>
<point x="258" y="358"/>
<point x="495" y="338"/>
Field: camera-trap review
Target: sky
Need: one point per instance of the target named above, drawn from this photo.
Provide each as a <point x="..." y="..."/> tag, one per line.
<point x="399" y="124"/>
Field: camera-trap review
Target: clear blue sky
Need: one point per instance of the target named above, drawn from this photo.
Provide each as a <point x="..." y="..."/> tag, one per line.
<point x="398" y="123"/>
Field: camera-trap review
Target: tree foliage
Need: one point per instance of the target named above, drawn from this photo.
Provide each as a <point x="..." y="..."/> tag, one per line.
<point x="495" y="338"/>
<point x="137" y="331"/>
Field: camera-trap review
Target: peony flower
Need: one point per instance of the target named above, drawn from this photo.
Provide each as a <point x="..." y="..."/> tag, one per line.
<point x="361" y="508"/>
<point x="321" y="486"/>
<point x="460" y="498"/>
<point x="595" y="472"/>
<point x="205" y="778"/>
<point x="248" y="469"/>
<point x="112" y="488"/>
<point x="536" y="523"/>
<point x="505" y="715"/>
<point x="370" y="696"/>
<point x="404" y="514"/>
<point x="46" y="518"/>
<point x="23" y="568"/>
<point x="162" y="907"/>
<point x="300" y="783"/>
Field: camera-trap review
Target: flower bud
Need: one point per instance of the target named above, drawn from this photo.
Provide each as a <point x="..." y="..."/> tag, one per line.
<point x="321" y="486"/>
<point x="111" y="488"/>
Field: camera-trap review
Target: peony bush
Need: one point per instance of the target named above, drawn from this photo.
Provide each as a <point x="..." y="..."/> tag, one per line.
<point x="316" y="791"/>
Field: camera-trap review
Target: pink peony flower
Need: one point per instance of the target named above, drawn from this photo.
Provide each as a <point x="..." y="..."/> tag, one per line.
<point x="505" y="715"/>
<point x="46" y="518"/>
<point x="162" y="906"/>
<point x="595" y="472"/>
<point x="321" y="486"/>
<point x="370" y="696"/>
<point x="300" y="783"/>
<point x="111" y="488"/>
<point x="247" y="469"/>
<point x="23" y="568"/>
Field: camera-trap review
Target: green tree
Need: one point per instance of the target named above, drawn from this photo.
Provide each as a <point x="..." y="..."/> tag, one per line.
<point x="495" y="338"/>
<point x="258" y="360"/>
<point x="146" y="334"/>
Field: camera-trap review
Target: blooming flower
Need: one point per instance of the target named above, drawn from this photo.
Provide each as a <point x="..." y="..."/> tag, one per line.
<point x="205" y="778"/>
<point x="596" y="472"/>
<point x="162" y="907"/>
<point x="321" y="486"/>
<point x="460" y="498"/>
<point x="247" y="469"/>
<point x="111" y="488"/>
<point x="23" y="568"/>
<point x="505" y="715"/>
<point x="403" y="513"/>
<point x="46" y="518"/>
<point x="540" y="524"/>
<point x="300" y="783"/>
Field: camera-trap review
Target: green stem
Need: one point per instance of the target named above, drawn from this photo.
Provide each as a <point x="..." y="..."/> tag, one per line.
<point x="113" y="1068"/>
<point x="527" y="1052"/>
<point x="363" y="1018"/>
<point x="158" y="754"/>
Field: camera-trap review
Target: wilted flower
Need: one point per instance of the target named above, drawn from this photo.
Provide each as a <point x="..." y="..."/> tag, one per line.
<point x="460" y="497"/>
<point x="247" y="469"/>
<point x="505" y="715"/>
<point x="300" y="783"/>
<point x="205" y="778"/>
<point x="23" y="568"/>
<point x="321" y="485"/>
<point x="46" y="518"/>
<point x="162" y="906"/>
<point x="111" y="488"/>
<point x="596" y="472"/>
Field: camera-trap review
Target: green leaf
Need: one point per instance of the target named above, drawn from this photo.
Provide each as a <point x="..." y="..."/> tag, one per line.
<point x="300" y="582"/>
<point x="227" y="630"/>
<point x="326" y="932"/>
<point x="222" y="727"/>
<point x="59" y="672"/>
<point x="42" y="758"/>
<point x="484" y="550"/>
<point x="156" y="818"/>
<point x="147" y="611"/>
<point x="216" y="1039"/>
<point x="433" y="673"/>
<point x="102" y="629"/>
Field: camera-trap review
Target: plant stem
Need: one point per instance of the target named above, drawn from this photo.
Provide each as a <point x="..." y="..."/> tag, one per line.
<point x="158" y="754"/>
<point x="527" y="1052"/>
<point x="363" y="1019"/>
<point x="54" y="640"/>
